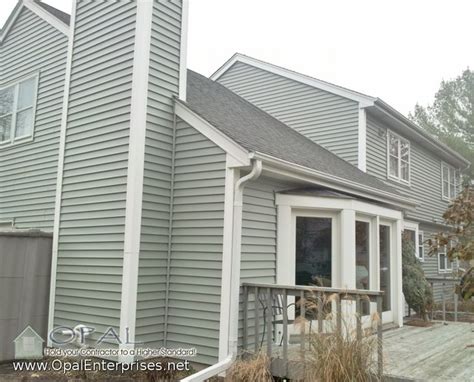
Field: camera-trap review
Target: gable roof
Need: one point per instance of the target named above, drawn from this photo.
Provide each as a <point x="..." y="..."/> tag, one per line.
<point x="56" y="18"/>
<point x="374" y="105"/>
<point x="259" y="132"/>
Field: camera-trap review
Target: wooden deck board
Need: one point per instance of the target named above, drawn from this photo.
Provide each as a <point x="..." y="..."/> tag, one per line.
<point x="437" y="353"/>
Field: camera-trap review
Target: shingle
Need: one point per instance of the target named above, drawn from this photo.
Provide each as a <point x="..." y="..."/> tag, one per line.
<point x="64" y="17"/>
<point x="257" y="131"/>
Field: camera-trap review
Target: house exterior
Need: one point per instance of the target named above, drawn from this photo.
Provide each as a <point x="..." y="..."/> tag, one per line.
<point x="364" y="131"/>
<point x="165" y="190"/>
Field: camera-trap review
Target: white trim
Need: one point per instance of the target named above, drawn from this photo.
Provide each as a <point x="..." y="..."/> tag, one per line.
<point x="301" y="173"/>
<point x="362" y="149"/>
<point x="446" y="262"/>
<point x="398" y="179"/>
<point x="183" y="49"/>
<point x="135" y="172"/>
<point x="16" y="85"/>
<point x="231" y="175"/>
<point x="413" y="226"/>
<point x="457" y="182"/>
<point x="10" y="21"/>
<point x="421" y="245"/>
<point x="363" y="99"/>
<point x="59" y="180"/>
<point x="237" y="152"/>
<point x="46" y="16"/>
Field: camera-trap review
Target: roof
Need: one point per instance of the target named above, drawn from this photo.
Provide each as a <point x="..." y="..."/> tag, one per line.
<point x="257" y="131"/>
<point x="60" y="15"/>
<point x="376" y="106"/>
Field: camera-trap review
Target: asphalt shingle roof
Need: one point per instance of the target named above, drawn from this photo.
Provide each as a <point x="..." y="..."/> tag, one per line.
<point x="257" y="131"/>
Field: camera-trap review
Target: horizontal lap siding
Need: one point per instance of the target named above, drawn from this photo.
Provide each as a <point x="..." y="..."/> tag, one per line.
<point x="28" y="171"/>
<point x="163" y="85"/>
<point x="259" y="235"/>
<point x="197" y="234"/>
<point x="89" y="273"/>
<point x="325" y="118"/>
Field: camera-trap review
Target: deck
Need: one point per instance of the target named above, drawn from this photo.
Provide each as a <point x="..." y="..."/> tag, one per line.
<point x="437" y="353"/>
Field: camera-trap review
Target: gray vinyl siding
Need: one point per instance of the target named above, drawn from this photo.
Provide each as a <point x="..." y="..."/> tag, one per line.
<point x="197" y="242"/>
<point x="163" y="85"/>
<point x="28" y="171"/>
<point x="425" y="177"/>
<point x="259" y="235"/>
<point x="89" y="272"/>
<point x="325" y="118"/>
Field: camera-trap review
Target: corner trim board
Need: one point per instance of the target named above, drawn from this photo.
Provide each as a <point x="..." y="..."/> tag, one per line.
<point x="362" y="149"/>
<point x="183" y="78"/>
<point x="135" y="172"/>
<point x="59" y="181"/>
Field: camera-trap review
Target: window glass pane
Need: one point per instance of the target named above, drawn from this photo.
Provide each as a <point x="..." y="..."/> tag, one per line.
<point x="404" y="150"/>
<point x="442" y="261"/>
<point x="384" y="235"/>
<point x="6" y="100"/>
<point x="26" y="93"/>
<point x="445" y="174"/>
<point x="313" y="251"/>
<point x="421" y="249"/>
<point x="362" y="255"/>
<point x="410" y="236"/>
<point x="393" y="166"/>
<point x="405" y="172"/>
<point x="5" y="128"/>
<point x="24" y="123"/>
<point x="393" y="146"/>
<point x="446" y="189"/>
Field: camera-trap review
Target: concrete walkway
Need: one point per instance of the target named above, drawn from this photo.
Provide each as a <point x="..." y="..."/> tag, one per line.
<point x="437" y="353"/>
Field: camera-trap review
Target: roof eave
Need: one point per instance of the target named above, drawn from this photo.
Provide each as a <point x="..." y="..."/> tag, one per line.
<point x="401" y="119"/>
<point x="295" y="171"/>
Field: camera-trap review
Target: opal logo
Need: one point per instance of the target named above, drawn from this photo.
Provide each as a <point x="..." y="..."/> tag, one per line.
<point x="28" y="344"/>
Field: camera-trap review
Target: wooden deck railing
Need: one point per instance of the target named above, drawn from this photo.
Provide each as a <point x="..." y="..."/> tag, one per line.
<point x="271" y="303"/>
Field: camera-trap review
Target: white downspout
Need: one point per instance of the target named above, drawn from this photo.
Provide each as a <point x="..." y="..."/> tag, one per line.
<point x="234" y="282"/>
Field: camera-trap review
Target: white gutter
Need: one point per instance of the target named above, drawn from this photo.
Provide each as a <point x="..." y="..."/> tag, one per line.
<point x="233" y="283"/>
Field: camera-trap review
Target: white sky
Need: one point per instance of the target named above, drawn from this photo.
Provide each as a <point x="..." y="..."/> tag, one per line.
<point x="398" y="50"/>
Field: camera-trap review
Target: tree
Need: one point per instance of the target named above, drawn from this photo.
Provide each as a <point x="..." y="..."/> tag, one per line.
<point x="459" y="238"/>
<point x="451" y="116"/>
<point x="416" y="289"/>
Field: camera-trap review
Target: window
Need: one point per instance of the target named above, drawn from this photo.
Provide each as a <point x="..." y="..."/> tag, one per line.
<point x="398" y="158"/>
<point x="421" y="248"/>
<point x="450" y="181"/>
<point x="17" y="109"/>
<point x="444" y="264"/>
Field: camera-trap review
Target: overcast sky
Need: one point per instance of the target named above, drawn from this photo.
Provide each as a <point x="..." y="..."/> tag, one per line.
<point x="398" y="50"/>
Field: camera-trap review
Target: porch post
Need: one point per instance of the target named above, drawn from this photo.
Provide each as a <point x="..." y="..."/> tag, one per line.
<point x="348" y="250"/>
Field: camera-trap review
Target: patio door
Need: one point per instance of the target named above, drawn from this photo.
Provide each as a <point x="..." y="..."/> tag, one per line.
<point x="386" y="270"/>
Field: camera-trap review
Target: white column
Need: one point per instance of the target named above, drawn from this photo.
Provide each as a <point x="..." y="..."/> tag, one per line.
<point x="285" y="270"/>
<point x="399" y="303"/>
<point x="348" y="250"/>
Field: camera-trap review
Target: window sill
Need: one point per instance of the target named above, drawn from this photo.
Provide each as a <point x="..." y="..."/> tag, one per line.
<point x="17" y="141"/>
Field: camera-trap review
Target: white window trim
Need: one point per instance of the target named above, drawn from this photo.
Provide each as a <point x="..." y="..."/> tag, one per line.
<point x="457" y="181"/>
<point x="421" y="245"/>
<point x="412" y="226"/>
<point x="15" y="84"/>
<point x="399" y="178"/>
<point x="446" y="262"/>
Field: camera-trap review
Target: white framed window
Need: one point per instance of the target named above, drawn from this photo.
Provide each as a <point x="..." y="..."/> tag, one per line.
<point x="398" y="158"/>
<point x="444" y="264"/>
<point x="421" y="247"/>
<point x="17" y="110"/>
<point x="450" y="181"/>
<point x="412" y="234"/>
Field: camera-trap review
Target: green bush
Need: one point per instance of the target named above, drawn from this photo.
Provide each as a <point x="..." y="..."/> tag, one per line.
<point x="417" y="290"/>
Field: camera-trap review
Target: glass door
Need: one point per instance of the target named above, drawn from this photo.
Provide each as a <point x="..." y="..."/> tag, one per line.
<point x="385" y="271"/>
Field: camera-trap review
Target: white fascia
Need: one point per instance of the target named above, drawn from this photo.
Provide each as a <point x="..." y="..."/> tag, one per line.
<point x="46" y="16"/>
<point x="59" y="180"/>
<point x="362" y="99"/>
<point x="183" y="82"/>
<point x="237" y="155"/>
<point x="135" y="173"/>
<point x="298" y="172"/>
<point x="362" y="140"/>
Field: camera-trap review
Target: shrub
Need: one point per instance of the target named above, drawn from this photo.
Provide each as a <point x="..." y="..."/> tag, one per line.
<point x="417" y="290"/>
<point x="250" y="368"/>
